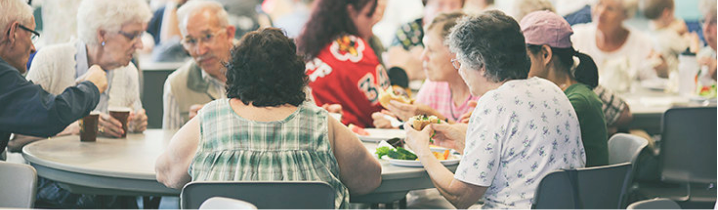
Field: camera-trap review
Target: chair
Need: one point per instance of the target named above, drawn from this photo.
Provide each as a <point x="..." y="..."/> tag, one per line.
<point x="657" y="203"/>
<point x="626" y="148"/>
<point x="601" y="187"/>
<point x="687" y="157"/>
<point x="264" y="195"/>
<point x="17" y="185"/>
<point x="225" y="203"/>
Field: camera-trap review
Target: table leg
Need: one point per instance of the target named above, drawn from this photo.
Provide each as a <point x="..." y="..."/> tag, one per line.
<point x="151" y="202"/>
<point x="389" y="205"/>
<point x="402" y="203"/>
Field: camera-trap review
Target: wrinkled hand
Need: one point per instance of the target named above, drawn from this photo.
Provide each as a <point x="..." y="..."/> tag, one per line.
<point x="450" y="135"/>
<point x="466" y="116"/>
<point x="333" y="108"/>
<point x="418" y="140"/>
<point x="109" y="126"/>
<point x="194" y="109"/>
<point x="403" y="111"/>
<point x="72" y="129"/>
<point x="380" y="120"/>
<point x="137" y="122"/>
<point x="711" y="63"/>
<point x="97" y="76"/>
<point x="659" y="64"/>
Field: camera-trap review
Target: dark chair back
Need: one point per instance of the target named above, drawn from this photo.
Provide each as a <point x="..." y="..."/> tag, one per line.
<point x="688" y="145"/>
<point x="601" y="187"/>
<point x="264" y="195"/>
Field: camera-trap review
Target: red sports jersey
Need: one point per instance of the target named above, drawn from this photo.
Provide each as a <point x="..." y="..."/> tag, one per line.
<point x="347" y="72"/>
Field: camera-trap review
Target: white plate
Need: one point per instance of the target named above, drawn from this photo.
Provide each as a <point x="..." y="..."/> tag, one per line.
<point x="438" y="148"/>
<point x="655" y="84"/>
<point x="376" y="135"/>
<point x="453" y="160"/>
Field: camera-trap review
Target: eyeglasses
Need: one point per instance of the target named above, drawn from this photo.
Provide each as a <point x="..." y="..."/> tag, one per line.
<point x="455" y="62"/>
<point x="35" y="35"/>
<point x="190" y="42"/>
<point x="131" y="36"/>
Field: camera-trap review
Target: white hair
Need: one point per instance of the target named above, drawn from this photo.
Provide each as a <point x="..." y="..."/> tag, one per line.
<point x="108" y="15"/>
<point x="14" y="10"/>
<point x="708" y="8"/>
<point x="524" y="7"/>
<point x="189" y="8"/>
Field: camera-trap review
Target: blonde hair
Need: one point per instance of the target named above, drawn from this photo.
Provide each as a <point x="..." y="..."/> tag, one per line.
<point x="524" y="7"/>
<point x="108" y="15"/>
<point x="14" y="10"/>
<point x="708" y="8"/>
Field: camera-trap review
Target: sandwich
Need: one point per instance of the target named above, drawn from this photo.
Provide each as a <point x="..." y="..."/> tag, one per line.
<point x="393" y="93"/>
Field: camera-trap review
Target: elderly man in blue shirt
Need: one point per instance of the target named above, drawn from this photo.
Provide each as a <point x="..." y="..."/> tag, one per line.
<point x="25" y="108"/>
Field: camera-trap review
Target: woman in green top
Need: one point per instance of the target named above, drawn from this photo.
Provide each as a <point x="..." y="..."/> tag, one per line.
<point x="265" y="130"/>
<point x="552" y="57"/>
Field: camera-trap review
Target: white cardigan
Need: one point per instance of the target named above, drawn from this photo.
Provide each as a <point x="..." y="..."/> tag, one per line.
<point x="54" y="68"/>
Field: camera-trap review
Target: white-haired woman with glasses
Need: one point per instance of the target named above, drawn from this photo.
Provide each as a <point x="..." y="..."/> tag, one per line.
<point x="108" y="33"/>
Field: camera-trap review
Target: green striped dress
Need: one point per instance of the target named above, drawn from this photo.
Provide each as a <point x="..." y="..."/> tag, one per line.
<point x="233" y="148"/>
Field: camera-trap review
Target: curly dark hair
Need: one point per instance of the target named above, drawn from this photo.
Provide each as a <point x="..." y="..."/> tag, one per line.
<point x="492" y="40"/>
<point x="265" y="70"/>
<point x="328" y="21"/>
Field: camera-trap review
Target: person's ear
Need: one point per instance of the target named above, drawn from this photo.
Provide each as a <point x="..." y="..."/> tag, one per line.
<point x="547" y="54"/>
<point x="11" y="35"/>
<point x="351" y="11"/>
<point x="231" y="30"/>
<point x="101" y="37"/>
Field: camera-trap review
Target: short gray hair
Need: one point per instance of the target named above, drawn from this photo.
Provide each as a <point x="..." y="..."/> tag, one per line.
<point x="708" y="8"/>
<point x="492" y="40"/>
<point x="108" y="15"/>
<point x="14" y="10"/>
<point x="524" y="7"/>
<point x="191" y="7"/>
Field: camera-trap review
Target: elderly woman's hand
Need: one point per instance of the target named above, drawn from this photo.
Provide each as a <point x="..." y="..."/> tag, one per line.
<point x="418" y="140"/>
<point x="380" y="120"/>
<point x="466" y="116"/>
<point x="450" y="135"/>
<point x="403" y="111"/>
<point x="109" y="126"/>
<point x="137" y="122"/>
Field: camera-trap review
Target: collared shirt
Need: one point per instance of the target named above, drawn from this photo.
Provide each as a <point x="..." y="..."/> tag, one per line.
<point x="172" y="118"/>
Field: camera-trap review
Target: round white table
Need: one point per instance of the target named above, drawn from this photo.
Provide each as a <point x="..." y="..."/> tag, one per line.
<point x="647" y="107"/>
<point x="126" y="167"/>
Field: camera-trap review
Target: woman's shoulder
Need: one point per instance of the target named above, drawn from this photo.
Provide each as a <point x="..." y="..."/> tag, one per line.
<point x="347" y="47"/>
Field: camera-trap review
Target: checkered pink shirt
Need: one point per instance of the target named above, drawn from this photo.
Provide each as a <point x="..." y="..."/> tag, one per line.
<point x="438" y="96"/>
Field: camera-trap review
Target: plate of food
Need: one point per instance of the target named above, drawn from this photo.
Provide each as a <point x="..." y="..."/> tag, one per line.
<point x="400" y="156"/>
<point x="377" y="134"/>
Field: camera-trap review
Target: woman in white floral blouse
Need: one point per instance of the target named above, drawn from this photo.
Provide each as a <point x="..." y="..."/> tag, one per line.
<point x="521" y="129"/>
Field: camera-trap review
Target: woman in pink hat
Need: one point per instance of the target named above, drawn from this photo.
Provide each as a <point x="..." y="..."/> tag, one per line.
<point x="552" y="57"/>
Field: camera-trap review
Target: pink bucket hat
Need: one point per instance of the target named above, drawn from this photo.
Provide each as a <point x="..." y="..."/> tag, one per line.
<point x="545" y="27"/>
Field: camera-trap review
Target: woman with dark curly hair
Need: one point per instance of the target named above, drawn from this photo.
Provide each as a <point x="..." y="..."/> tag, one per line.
<point x="265" y="130"/>
<point x="341" y="66"/>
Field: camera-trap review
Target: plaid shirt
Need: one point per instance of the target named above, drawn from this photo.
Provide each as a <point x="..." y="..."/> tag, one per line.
<point x="297" y="148"/>
<point x="613" y="105"/>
